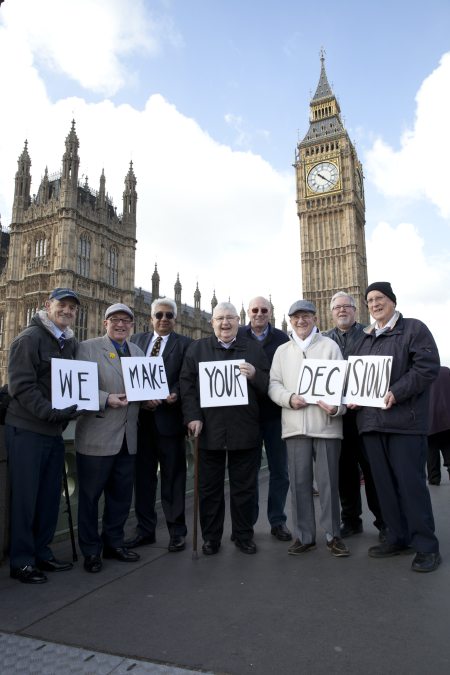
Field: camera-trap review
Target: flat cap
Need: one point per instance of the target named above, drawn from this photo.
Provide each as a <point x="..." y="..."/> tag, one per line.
<point x="302" y="306"/>
<point x="118" y="307"/>
<point x="60" y="293"/>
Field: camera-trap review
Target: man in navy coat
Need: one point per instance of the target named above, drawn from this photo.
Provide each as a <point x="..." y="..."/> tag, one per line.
<point x="161" y="436"/>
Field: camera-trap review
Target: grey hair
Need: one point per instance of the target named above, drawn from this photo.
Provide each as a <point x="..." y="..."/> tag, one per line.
<point x="342" y="294"/>
<point x="225" y="306"/>
<point x="164" y="301"/>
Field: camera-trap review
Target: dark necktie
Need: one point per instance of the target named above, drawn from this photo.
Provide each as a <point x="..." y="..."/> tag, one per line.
<point x="62" y="340"/>
<point x="156" y="347"/>
<point x="122" y="350"/>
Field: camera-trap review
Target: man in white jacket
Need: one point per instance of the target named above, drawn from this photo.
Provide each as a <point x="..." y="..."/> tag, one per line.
<point x="313" y="433"/>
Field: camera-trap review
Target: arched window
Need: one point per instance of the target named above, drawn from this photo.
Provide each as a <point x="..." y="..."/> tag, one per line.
<point x="81" y="324"/>
<point x="30" y="312"/>
<point x="84" y="255"/>
<point x="113" y="266"/>
<point x="40" y="247"/>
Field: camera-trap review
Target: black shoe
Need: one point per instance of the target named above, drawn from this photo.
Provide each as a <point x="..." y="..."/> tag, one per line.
<point x="246" y="545"/>
<point x="210" y="547"/>
<point x="388" y="550"/>
<point x="120" y="553"/>
<point x="140" y="540"/>
<point x="28" y="574"/>
<point x="426" y="562"/>
<point x="434" y="481"/>
<point x="93" y="563"/>
<point x="281" y="532"/>
<point x="176" y="543"/>
<point x="382" y="535"/>
<point x="54" y="565"/>
<point x="348" y="530"/>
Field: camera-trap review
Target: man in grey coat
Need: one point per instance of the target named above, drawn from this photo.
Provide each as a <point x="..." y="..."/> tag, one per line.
<point x="106" y="445"/>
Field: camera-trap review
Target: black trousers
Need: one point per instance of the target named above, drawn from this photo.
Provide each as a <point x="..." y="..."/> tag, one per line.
<point x="353" y="458"/>
<point x="169" y="452"/>
<point x="113" y="476"/>
<point x="243" y="467"/>
<point x="398" y="468"/>
<point x="438" y="443"/>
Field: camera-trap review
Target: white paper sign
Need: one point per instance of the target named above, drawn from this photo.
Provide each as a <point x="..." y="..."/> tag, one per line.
<point x="322" y="380"/>
<point x="74" y="382"/>
<point x="222" y="384"/>
<point x="368" y="380"/>
<point x="145" y="378"/>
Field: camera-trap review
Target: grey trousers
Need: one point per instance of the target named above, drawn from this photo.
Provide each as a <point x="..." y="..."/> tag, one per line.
<point x="302" y="451"/>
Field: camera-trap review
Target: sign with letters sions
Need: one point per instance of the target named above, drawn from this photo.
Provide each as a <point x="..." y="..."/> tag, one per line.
<point x="367" y="380"/>
<point x="74" y="382"/>
<point x="321" y="380"/>
<point x="145" y="378"/>
<point x="222" y="384"/>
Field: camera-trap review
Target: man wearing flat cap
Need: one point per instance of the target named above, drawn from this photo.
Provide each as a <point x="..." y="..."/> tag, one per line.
<point x="106" y="445"/>
<point x="312" y="432"/>
<point x="395" y="437"/>
<point x="33" y="435"/>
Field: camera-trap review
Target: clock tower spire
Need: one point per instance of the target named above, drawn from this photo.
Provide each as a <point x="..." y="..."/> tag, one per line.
<point x="330" y="207"/>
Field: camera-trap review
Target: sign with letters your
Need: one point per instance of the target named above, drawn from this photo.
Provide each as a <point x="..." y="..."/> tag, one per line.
<point x="221" y="384"/>
<point x="368" y="380"/>
<point x="145" y="378"/>
<point x="74" y="382"/>
<point x="322" y="380"/>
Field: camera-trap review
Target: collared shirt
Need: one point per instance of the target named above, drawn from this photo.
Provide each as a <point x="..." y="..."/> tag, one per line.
<point x="390" y="324"/>
<point x="57" y="331"/>
<point x="226" y="345"/>
<point x="263" y="335"/>
<point x="121" y="348"/>
<point x="164" y="339"/>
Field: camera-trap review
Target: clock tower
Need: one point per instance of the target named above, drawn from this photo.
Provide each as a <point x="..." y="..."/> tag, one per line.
<point x="330" y="207"/>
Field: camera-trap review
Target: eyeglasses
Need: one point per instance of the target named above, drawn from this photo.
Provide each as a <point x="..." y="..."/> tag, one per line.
<point x="263" y="310"/>
<point x="166" y="315"/>
<point x="127" y="322"/>
<point x="377" y="298"/>
<point x="337" y="308"/>
<point x="219" y="319"/>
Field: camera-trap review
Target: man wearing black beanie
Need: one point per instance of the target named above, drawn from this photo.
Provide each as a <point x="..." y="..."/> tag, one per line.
<point x="395" y="437"/>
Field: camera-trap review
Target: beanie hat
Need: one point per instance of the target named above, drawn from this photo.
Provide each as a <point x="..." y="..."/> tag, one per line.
<point x="384" y="287"/>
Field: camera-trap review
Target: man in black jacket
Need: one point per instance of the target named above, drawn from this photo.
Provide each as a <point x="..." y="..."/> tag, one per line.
<point x="161" y="436"/>
<point x="228" y="434"/>
<point x="395" y="437"/>
<point x="34" y="440"/>
<point x="270" y="338"/>
<point x="347" y="333"/>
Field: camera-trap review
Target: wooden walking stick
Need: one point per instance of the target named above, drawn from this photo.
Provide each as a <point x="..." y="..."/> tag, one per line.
<point x="194" y="529"/>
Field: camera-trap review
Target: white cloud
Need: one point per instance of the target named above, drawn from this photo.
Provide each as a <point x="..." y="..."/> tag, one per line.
<point x="396" y="254"/>
<point x="418" y="169"/>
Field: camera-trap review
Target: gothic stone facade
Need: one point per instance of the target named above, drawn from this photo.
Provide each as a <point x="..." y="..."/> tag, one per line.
<point x="331" y="208"/>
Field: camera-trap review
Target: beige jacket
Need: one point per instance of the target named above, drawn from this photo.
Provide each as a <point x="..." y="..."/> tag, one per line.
<point x="312" y="420"/>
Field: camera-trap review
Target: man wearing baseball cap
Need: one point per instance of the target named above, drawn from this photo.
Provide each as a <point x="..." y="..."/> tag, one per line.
<point x="105" y="443"/>
<point x="33" y="432"/>
<point x="395" y="437"/>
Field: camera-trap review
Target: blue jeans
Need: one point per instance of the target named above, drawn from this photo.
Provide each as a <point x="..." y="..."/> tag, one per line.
<point x="278" y="469"/>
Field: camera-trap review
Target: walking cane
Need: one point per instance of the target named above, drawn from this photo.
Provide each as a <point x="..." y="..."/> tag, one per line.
<point x="69" y="514"/>
<point x="194" y="529"/>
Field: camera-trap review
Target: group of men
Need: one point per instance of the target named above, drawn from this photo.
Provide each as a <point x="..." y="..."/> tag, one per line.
<point x="123" y="444"/>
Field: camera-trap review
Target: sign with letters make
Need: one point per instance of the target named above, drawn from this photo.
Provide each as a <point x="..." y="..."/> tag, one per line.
<point x="322" y="380"/>
<point x="74" y="382"/>
<point x="368" y="380"/>
<point x="222" y="384"/>
<point x="145" y="378"/>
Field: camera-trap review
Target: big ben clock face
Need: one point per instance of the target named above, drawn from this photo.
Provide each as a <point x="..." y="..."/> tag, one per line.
<point x="323" y="177"/>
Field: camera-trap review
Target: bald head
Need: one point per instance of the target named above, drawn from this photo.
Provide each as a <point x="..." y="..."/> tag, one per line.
<point x="259" y="311"/>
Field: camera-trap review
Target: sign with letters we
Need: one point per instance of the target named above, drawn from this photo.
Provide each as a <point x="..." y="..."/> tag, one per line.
<point x="222" y="384"/>
<point x="322" y="380"/>
<point x="74" y="382"/>
<point x="145" y="378"/>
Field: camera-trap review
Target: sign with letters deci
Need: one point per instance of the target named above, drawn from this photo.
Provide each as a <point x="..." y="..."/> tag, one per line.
<point x="74" y="382"/>
<point x="145" y="378"/>
<point x="222" y="384"/>
<point x="368" y="380"/>
<point x="321" y="380"/>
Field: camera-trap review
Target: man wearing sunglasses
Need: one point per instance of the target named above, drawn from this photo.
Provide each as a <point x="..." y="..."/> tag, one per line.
<point x="270" y="338"/>
<point x="161" y="436"/>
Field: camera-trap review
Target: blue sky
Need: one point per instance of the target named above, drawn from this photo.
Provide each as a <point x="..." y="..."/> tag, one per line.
<point x="209" y="98"/>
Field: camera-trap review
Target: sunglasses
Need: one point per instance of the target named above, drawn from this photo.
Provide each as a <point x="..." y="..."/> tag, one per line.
<point x="263" y="310"/>
<point x="166" y="315"/>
